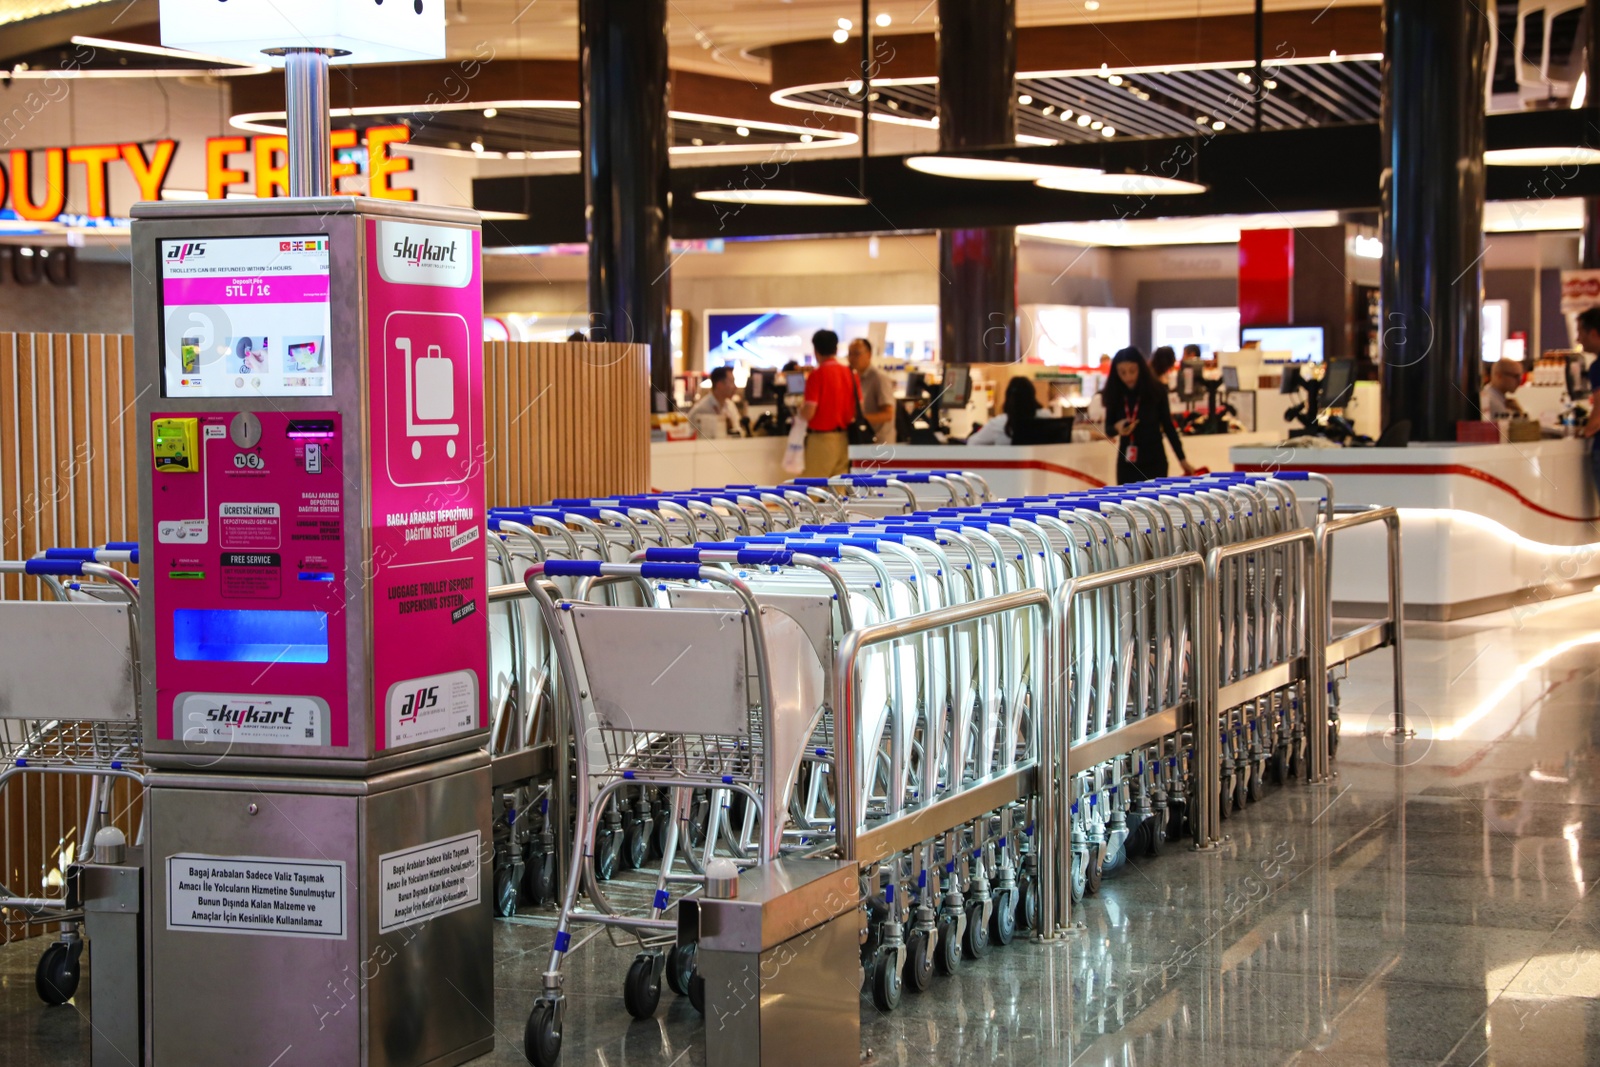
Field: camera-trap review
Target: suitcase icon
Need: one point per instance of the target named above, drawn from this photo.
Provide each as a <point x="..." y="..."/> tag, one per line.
<point x="430" y="397"/>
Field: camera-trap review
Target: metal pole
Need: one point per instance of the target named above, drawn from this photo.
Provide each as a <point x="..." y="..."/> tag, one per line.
<point x="1259" y="91"/>
<point x="866" y="92"/>
<point x="1397" y="612"/>
<point x="305" y="98"/>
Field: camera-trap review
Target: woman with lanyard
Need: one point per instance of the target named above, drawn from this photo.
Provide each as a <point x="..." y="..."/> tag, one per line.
<point x="1137" y="415"/>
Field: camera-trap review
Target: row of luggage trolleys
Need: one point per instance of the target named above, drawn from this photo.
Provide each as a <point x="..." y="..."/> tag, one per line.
<point x="898" y="670"/>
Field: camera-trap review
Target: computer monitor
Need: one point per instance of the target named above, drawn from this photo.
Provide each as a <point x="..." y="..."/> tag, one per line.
<point x="794" y="383"/>
<point x="1577" y="379"/>
<point x="1304" y="343"/>
<point x="916" y="385"/>
<point x="762" y="386"/>
<point x="957" y="385"/>
<point x="1338" y="383"/>
<point x="1230" y="379"/>
<point x="1291" y="381"/>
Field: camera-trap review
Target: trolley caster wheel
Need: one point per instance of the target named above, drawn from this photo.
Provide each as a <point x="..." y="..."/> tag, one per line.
<point x="680" y="967"/>
<point x="1091" y="879"/>
<point x="1240" y="791"/>
<point x="948" y="957"/>
<point x="1003" y="919"/>
<point x="505" y="891"/>
<point x="56" y="977"/>
<point x="975" y="943"/>
<point x="1295" y="765"/>
<point x="1278" y="766"/>
<point x="541" y="1038"/>
<point x="624" y="836"/>
<point x="638" y="845"/>
<point x="539" y="882"/>
<point x="641" y="990"/>
<point x="919" y="962"/>
<point x="1333" y="738"/>
<point x="608" y="850"/>
<point x="697" y="993"/>
<point x="1177" y="821"/>
<point x="1225" y="801"/>
<point x="1156" y="837"/>
<point x="1252" y="793"/>
<point x="886" y="984"/>
<point x="1027" y="904"/>
<point x="1080" y="876"/>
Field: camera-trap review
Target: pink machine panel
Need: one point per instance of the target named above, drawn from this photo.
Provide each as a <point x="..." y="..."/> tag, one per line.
<point x="249" y="583"/>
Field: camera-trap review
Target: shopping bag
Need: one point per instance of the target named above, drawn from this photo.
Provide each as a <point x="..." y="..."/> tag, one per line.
<point x="794" y="456"/>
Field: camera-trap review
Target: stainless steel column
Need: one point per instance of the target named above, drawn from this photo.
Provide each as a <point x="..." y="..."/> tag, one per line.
<point x="623" y="54"/>
<point x="977" y="267"/>
<point x="1434" y="63"/>
<point x="1589" y="246"/>
<point x="305" y="98"/>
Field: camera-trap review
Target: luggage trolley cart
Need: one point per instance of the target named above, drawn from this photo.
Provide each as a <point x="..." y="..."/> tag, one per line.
<point x="625" y="670"/>
<point x="99" y="636"/>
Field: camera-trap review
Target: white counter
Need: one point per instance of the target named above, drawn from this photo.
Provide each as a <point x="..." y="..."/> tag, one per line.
<point x="1483" y="527"/>
<point x="1011" y="470"/>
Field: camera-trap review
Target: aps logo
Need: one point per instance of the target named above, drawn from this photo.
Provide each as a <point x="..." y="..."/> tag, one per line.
<point x="188" y="250"/>
<point x="417" y="702"/>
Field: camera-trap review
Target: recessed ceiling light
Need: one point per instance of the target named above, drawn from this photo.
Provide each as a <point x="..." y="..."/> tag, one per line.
<point x="841" y="36"/>
<point x="854" y="88"/>
<point x="1123" y="185"/>
<point x="883" y="19"/>
<point x="697" y="142"/>
<point x="1001" y="170"/>
<point x="1024" y="99"/>
<point x="1084" y="120"/>
<point x="1244" y="79"/>
<point x="1219" y="125"/>
<point x="1115" y="79"/>
<point x="1091" y="5"/>
<point x="477" y="146"/>
<point x="846" y="24"/>
<point x="805" y="138"/>
<point x="1096" y="124"/>
<point x="1269" y="83"/>
<point x="1333" y="53"/>
<point x="490" y="112"/>
<point x="742" y="131"/>
<point x="1066" y="115"/>
<point x="893" y="105"/>
<point x="1553" y="156"/>
<point x="1203" y="120"/>
<point x="1048" y="109"/>
<point x="1108" y="131"/>
<point x="777" y="198"/>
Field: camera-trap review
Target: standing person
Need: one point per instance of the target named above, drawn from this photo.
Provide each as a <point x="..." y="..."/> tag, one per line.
<point x="877" y="392"/>
<point x="1589" y="341"/>
<point x="829" y="408"/>
<point x="1191" y="351"/>
<point x="1162" y="360"/>
<point x="1137" y="415"/>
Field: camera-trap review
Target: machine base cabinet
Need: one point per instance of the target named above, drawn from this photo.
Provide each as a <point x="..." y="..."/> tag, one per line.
<point x="321" y="921"/>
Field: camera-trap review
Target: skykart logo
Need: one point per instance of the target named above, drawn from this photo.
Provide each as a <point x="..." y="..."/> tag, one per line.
<point x="418" y="254"/>
<point x="415" y="254"/>
<point x="251" y="715"/>
<point x="188" y="250"/>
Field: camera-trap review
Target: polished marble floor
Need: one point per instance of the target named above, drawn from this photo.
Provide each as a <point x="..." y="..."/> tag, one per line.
<point x="1428" y="906"/>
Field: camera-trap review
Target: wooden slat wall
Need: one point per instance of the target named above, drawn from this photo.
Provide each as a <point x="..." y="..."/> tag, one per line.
<point x="566" y="419"/>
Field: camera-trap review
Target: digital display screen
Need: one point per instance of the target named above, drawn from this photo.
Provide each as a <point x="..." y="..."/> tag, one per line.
<point x="218" y="635"/>
<point x="245" y="317"/>
<point x="1303" y="343"/>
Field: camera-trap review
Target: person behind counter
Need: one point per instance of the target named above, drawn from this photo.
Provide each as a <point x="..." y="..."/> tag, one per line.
<point x="828" y="410"/>
<point x="1017" y="415"/>
<point x="717" y="414"/>
<point x="1162" y="361"/>
<point x="1137" y="415"/>
<point x="1589" y="341"/>
<point x="1496" y="400"/>
<point x="877" y="392"/>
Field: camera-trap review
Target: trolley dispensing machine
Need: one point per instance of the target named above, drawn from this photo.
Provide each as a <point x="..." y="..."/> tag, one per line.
<point x="310" y="441"/>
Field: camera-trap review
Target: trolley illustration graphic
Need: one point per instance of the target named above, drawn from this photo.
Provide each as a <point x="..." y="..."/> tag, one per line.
<point x="430" y="397"/>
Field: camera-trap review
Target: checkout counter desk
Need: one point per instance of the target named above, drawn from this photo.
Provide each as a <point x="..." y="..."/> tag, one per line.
<point x="1483" y="527"/>
<point x="1010" y="470"/>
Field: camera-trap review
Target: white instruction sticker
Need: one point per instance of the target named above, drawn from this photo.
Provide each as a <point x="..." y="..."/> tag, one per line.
<point x="428" y="881"/>
<point x="425" y="709"/>
<point x="254" y="895"/>
<point x="250" y="719"/>
<point x="464" y="538"/>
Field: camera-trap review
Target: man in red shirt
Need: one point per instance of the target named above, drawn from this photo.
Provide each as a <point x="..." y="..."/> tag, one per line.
<point x="829" y="408"/>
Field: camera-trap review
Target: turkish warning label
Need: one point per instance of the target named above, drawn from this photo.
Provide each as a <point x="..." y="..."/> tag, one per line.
<point x="251" y="895"/>
<point x="428" y="881"/>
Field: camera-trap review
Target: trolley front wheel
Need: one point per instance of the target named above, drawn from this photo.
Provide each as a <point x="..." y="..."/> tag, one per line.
<point x="697" y="993"/>
<point x="919" y="961"/>
<point x="608" y="850"/>
<point x="1003" y="919"/>
<point x="680" y="967"/>
<point x="541" y="1039"/>
<point x="539" y="880"/>
<point x="56" y="977"/>
<point x="638" y="844"/>
<point x="976" y="942"/>
<point x="948" y="957"/>
<point x="505" y="891"/>
<point x="1096" y="867"/>
<point x="886" y="987"/>
<point x="641" y="991"/>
